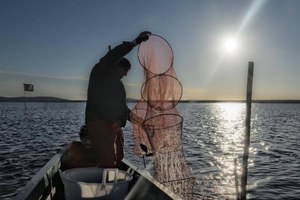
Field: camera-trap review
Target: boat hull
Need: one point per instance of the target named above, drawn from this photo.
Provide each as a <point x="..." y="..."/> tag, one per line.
<point x="47" y="184"/>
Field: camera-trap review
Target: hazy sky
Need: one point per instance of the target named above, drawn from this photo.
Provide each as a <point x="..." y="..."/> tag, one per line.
<point x="54" y="45"/>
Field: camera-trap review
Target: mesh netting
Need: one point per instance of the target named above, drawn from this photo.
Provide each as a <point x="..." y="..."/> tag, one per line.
<point x="155" y="55"/>
<point x="172" y="171"/>
<point x="161" y="127"/>
<point x="162" y="92"/>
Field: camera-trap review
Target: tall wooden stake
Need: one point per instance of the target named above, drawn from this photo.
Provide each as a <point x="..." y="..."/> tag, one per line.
<point x="247" y="132"/>
<point x="236" y="179"/>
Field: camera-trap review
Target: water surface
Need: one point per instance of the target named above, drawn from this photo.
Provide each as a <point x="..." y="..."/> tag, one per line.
<point x="213" y="136"/>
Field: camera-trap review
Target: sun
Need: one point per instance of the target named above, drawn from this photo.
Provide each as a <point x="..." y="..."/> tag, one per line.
<point x="230" y="45"/>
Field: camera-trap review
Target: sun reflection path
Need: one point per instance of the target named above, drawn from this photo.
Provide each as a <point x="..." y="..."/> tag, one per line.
<point x="229" y="137"/>
<point x="215" y="139"/>
<point x="230" y="131"/>
<point x="231" y="111"/>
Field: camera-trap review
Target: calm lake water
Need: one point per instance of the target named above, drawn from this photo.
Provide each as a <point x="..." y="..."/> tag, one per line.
<point x="213" y="136"/>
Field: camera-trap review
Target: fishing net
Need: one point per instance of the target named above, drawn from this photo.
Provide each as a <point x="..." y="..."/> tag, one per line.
<point x="160" y="130"/>
<point x="155" y="55"/>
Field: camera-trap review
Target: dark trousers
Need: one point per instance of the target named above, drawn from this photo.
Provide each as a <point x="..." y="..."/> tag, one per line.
<point x="107" y="140"/>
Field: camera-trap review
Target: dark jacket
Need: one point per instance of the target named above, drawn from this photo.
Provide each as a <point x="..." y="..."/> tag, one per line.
<point x="106" y="93"/>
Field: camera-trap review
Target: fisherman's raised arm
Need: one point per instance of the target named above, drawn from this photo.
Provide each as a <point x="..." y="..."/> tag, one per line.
<point x="113" y="56"/>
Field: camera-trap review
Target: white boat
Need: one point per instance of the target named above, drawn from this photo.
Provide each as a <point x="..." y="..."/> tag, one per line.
<point x="47" y="184"/>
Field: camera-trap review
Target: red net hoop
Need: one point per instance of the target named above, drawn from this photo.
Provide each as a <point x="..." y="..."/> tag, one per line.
<point x="155" y="55"/>
<point x="163" y="121"/>
<point x="164" y="132"/>
<point x="162" y="92"/>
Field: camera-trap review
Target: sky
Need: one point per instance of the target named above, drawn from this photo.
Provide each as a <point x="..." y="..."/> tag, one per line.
<point x="54" y="45"/>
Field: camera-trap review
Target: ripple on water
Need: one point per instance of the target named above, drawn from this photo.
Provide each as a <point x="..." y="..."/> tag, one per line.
<point x="212" y="138"/>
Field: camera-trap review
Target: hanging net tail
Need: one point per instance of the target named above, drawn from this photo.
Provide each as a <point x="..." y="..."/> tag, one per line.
<point x="160" y="132"/>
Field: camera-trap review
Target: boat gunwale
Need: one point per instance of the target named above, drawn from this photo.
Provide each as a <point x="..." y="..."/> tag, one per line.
<point x="43" y="180"/>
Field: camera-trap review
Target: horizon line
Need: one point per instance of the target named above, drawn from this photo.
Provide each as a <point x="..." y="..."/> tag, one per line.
<point x="58" y="99"/>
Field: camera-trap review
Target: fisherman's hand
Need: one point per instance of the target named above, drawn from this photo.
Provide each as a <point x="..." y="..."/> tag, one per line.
<point x="142" y="37"/>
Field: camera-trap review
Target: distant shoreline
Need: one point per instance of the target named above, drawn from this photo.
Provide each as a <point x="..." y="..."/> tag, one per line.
<point x="33" y="99"/>
<point x="240" y="101"/>
<point x="55" y="99"/>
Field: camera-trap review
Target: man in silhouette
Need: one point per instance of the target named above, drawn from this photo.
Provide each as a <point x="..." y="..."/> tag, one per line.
<point x="106" y="108"/>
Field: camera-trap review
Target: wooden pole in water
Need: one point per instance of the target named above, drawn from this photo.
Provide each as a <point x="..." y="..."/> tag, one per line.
<point x="247" y="132"/>
<point x="236" y="179"/>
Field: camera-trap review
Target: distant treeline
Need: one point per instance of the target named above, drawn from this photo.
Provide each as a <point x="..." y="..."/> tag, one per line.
<point x="55" y="99"/>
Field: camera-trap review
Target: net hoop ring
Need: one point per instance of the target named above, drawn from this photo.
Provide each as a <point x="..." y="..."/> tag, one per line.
<point x="155" y="127"/>
<point x="149" y="101"/>
<point x="167" y="68"/>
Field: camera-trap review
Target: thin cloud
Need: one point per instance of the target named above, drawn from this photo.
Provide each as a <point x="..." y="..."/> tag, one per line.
<point x="42" y="76"/>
